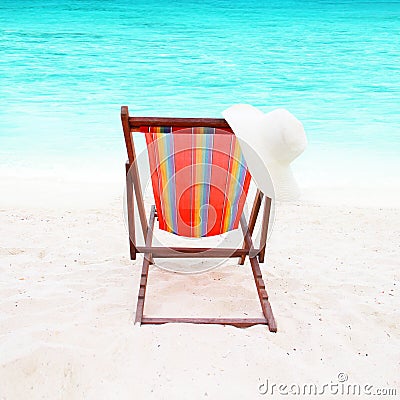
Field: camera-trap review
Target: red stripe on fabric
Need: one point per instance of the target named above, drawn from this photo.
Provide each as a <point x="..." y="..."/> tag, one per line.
<point x="183" y="181"/>
<point x="155" y="176"/>
<point x="220" y="163"/>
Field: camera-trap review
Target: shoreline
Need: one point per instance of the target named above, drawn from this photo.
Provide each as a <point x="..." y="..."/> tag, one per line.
<point x="98" y="191"/>
<point x="326" y="175"/>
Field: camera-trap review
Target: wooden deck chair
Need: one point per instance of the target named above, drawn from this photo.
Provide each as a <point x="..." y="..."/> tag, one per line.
<point x="200" y="182"/>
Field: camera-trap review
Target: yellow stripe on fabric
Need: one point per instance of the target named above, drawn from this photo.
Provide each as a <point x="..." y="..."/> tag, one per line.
<point x="199" y="150"/>
<point x="233" y="185"/>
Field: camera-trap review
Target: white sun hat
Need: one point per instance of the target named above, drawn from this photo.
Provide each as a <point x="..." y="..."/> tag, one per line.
<point x="269" y="141"/>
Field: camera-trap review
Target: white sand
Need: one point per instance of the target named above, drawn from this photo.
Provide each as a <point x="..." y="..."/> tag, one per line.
<point x="68" y="294"/>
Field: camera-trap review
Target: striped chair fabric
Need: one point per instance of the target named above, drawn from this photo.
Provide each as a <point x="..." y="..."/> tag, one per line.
<point x="199" y="177"/>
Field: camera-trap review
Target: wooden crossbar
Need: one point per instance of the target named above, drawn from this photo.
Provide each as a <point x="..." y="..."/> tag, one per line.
<point x="136" y="122"/>
<point x="193" y="252"/>
<point x="238" y="322"/>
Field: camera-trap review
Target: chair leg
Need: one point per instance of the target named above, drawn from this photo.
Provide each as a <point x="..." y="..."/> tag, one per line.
<point x="264" y="229"/>
<point x="263" y="295"/>
<point x="253" y="218"/>
<point x="130" y="209"/>
<point x="145" y="269"/>
<point x="255" y="267"/>
<point x="142" y="291"/>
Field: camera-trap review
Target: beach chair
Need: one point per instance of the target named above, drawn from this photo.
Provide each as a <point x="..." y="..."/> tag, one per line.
<point x="200" y="182"/>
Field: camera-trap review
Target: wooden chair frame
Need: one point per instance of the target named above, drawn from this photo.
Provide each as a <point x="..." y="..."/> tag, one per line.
<point x="134" y="191"/>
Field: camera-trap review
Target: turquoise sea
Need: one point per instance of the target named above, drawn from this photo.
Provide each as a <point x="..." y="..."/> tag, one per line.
<point x="66" y="67"/>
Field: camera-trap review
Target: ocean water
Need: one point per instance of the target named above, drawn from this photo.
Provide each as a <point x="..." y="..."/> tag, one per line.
<point x="66" y="67"/>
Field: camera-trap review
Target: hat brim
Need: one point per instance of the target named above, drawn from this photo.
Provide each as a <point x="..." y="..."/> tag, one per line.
<point x="246" y="122"/>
